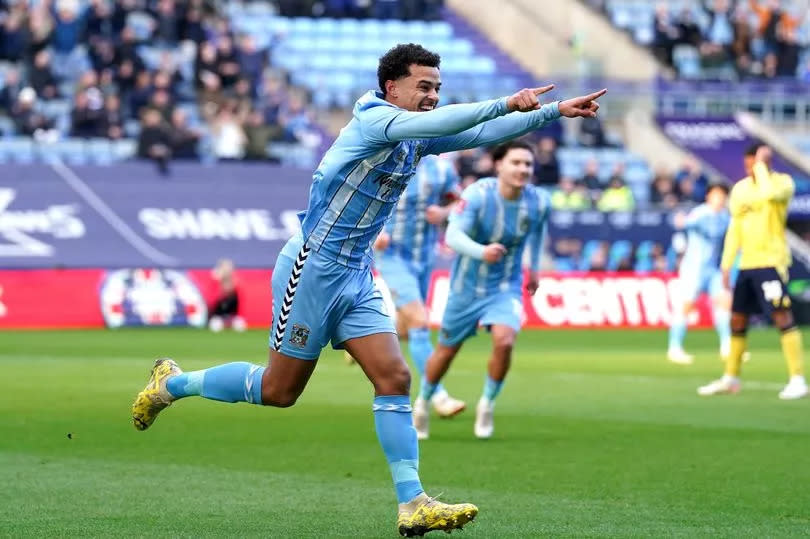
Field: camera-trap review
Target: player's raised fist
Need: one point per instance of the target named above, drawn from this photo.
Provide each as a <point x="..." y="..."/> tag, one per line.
<point x="493" y="253"/>
<point x="584" y="106"/>
<point x="764" y="154"/>
<point x="526" y="99"/>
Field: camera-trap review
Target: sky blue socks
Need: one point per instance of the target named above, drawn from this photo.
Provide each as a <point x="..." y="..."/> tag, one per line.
<point x="394" y="424"/>
<point x="232" y="382"/>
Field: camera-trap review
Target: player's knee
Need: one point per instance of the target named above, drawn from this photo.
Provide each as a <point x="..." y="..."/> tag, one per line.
<point x="739" y="324"/>
<point x="418" y="322"/>
<point x="397" y="381"/>
<point x="783" y="319"/>
<point x="279" y="398"/>
<point x="504" y="341"/>
<point x="415" y="315"/>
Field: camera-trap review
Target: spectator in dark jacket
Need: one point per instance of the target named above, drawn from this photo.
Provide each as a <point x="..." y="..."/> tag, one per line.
<point x="184" y="139"/>
<point x="113" y="118"/>
<point x="12" y="86"/>
<point x="41" y="77"/>
<point x="87" y="116"/>
<point x="546" y="167"/>
<point x="154" y="141"/>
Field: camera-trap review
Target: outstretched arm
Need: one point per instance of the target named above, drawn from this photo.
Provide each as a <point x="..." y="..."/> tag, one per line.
<point x="383" y="125"/>
<point x="516" y="125"/>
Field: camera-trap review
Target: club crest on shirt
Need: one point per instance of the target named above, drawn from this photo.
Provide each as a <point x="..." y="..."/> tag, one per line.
<point x="299" y="336"/>
<point x="523" y="225"/>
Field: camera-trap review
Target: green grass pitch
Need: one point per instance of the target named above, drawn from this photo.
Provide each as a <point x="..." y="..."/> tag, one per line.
<point x="596" y="435"/>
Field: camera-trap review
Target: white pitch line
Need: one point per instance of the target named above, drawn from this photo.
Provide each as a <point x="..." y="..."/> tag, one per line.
<point x="118" y="224"/>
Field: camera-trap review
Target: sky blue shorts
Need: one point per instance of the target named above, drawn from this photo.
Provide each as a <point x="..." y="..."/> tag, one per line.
<point x="406" y="282"/>
<point x="464" y="313"/>
<point x="317" y="300"/>
<point x="693" y="283"/>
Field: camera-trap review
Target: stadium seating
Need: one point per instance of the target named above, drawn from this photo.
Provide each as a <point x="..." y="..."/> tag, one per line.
<point x="637" y="173"/>
<point x="636" y="17"/>
<point x="338" y="57"/>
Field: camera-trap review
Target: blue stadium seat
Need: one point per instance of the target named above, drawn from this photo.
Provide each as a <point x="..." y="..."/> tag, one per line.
<point x="17" y="149"/>
<point x="588" y="250"/>
<point x="460" y="46"/>
<point x="71" y="151"/>
<point x="417" y="30"/>
<point x="440" y="29"/>
<point x="250" y="25"/>
<point x="100" y="151"/>
<point x="619" y="251"/>
<point x="303" y="25"/>
<point x="258" y="9"/>
<point x="350" y="27"/>
<point x="644" y="261"/>
<point x="687" y="60"/>
<point x="7" y="128"/>
<point x="395" y="29"/>
<point x="643" y="34"/>
<point x="124" y="149"/>
<point x="328" y="26"/>
<point x="369" y="28"/>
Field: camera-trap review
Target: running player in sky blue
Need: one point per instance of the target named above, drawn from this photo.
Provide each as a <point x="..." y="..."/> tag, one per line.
<point x="323" y="289"/>
<point x="405" y="253"/>
<point x="699" y="272"/>
<point x="496" y="219"/>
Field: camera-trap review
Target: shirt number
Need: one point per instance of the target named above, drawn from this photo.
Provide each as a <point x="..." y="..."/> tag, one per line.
<point x="772" y="290"/>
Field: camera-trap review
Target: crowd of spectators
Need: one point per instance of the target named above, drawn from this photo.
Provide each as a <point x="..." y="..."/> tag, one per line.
<point x="757" y="38"/>
<point x="171" y="73"/>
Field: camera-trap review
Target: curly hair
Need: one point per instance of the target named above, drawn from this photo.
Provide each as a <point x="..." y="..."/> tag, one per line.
<point x="395" y="63"/>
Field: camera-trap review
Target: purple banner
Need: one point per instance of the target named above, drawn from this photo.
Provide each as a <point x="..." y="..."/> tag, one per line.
<point x="721" y="143"/>
<point x="129" y="215"/>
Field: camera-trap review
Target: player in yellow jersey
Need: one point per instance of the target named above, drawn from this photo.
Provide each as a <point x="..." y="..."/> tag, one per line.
<point x="759" y="206"/>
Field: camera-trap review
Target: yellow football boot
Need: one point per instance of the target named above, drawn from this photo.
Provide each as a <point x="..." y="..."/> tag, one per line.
<point x="154" y="397"/>
<point x="424" y="514"/>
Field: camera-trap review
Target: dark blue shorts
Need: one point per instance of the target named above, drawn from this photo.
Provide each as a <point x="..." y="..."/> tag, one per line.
<point x="760" y="290"/>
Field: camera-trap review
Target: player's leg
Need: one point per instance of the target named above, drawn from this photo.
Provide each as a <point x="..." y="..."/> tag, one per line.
<point x="744" y="302"/>
<point x="503" y="341"/>
<point x="690" y="290"/>
<point x="367" y="332"/>
<point x="460" y="321"/>
<point x="721" y="313"/>
<point x="677" y="333"/>
<point x="437" y="366"/>
<point x="296" y="314"/>
<point x="420" y="347"/>
<point x="409" y="286"/>
<point x="279" y="384"/>
<point x="503" y="316"/>
<point x="776" y="300"/>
